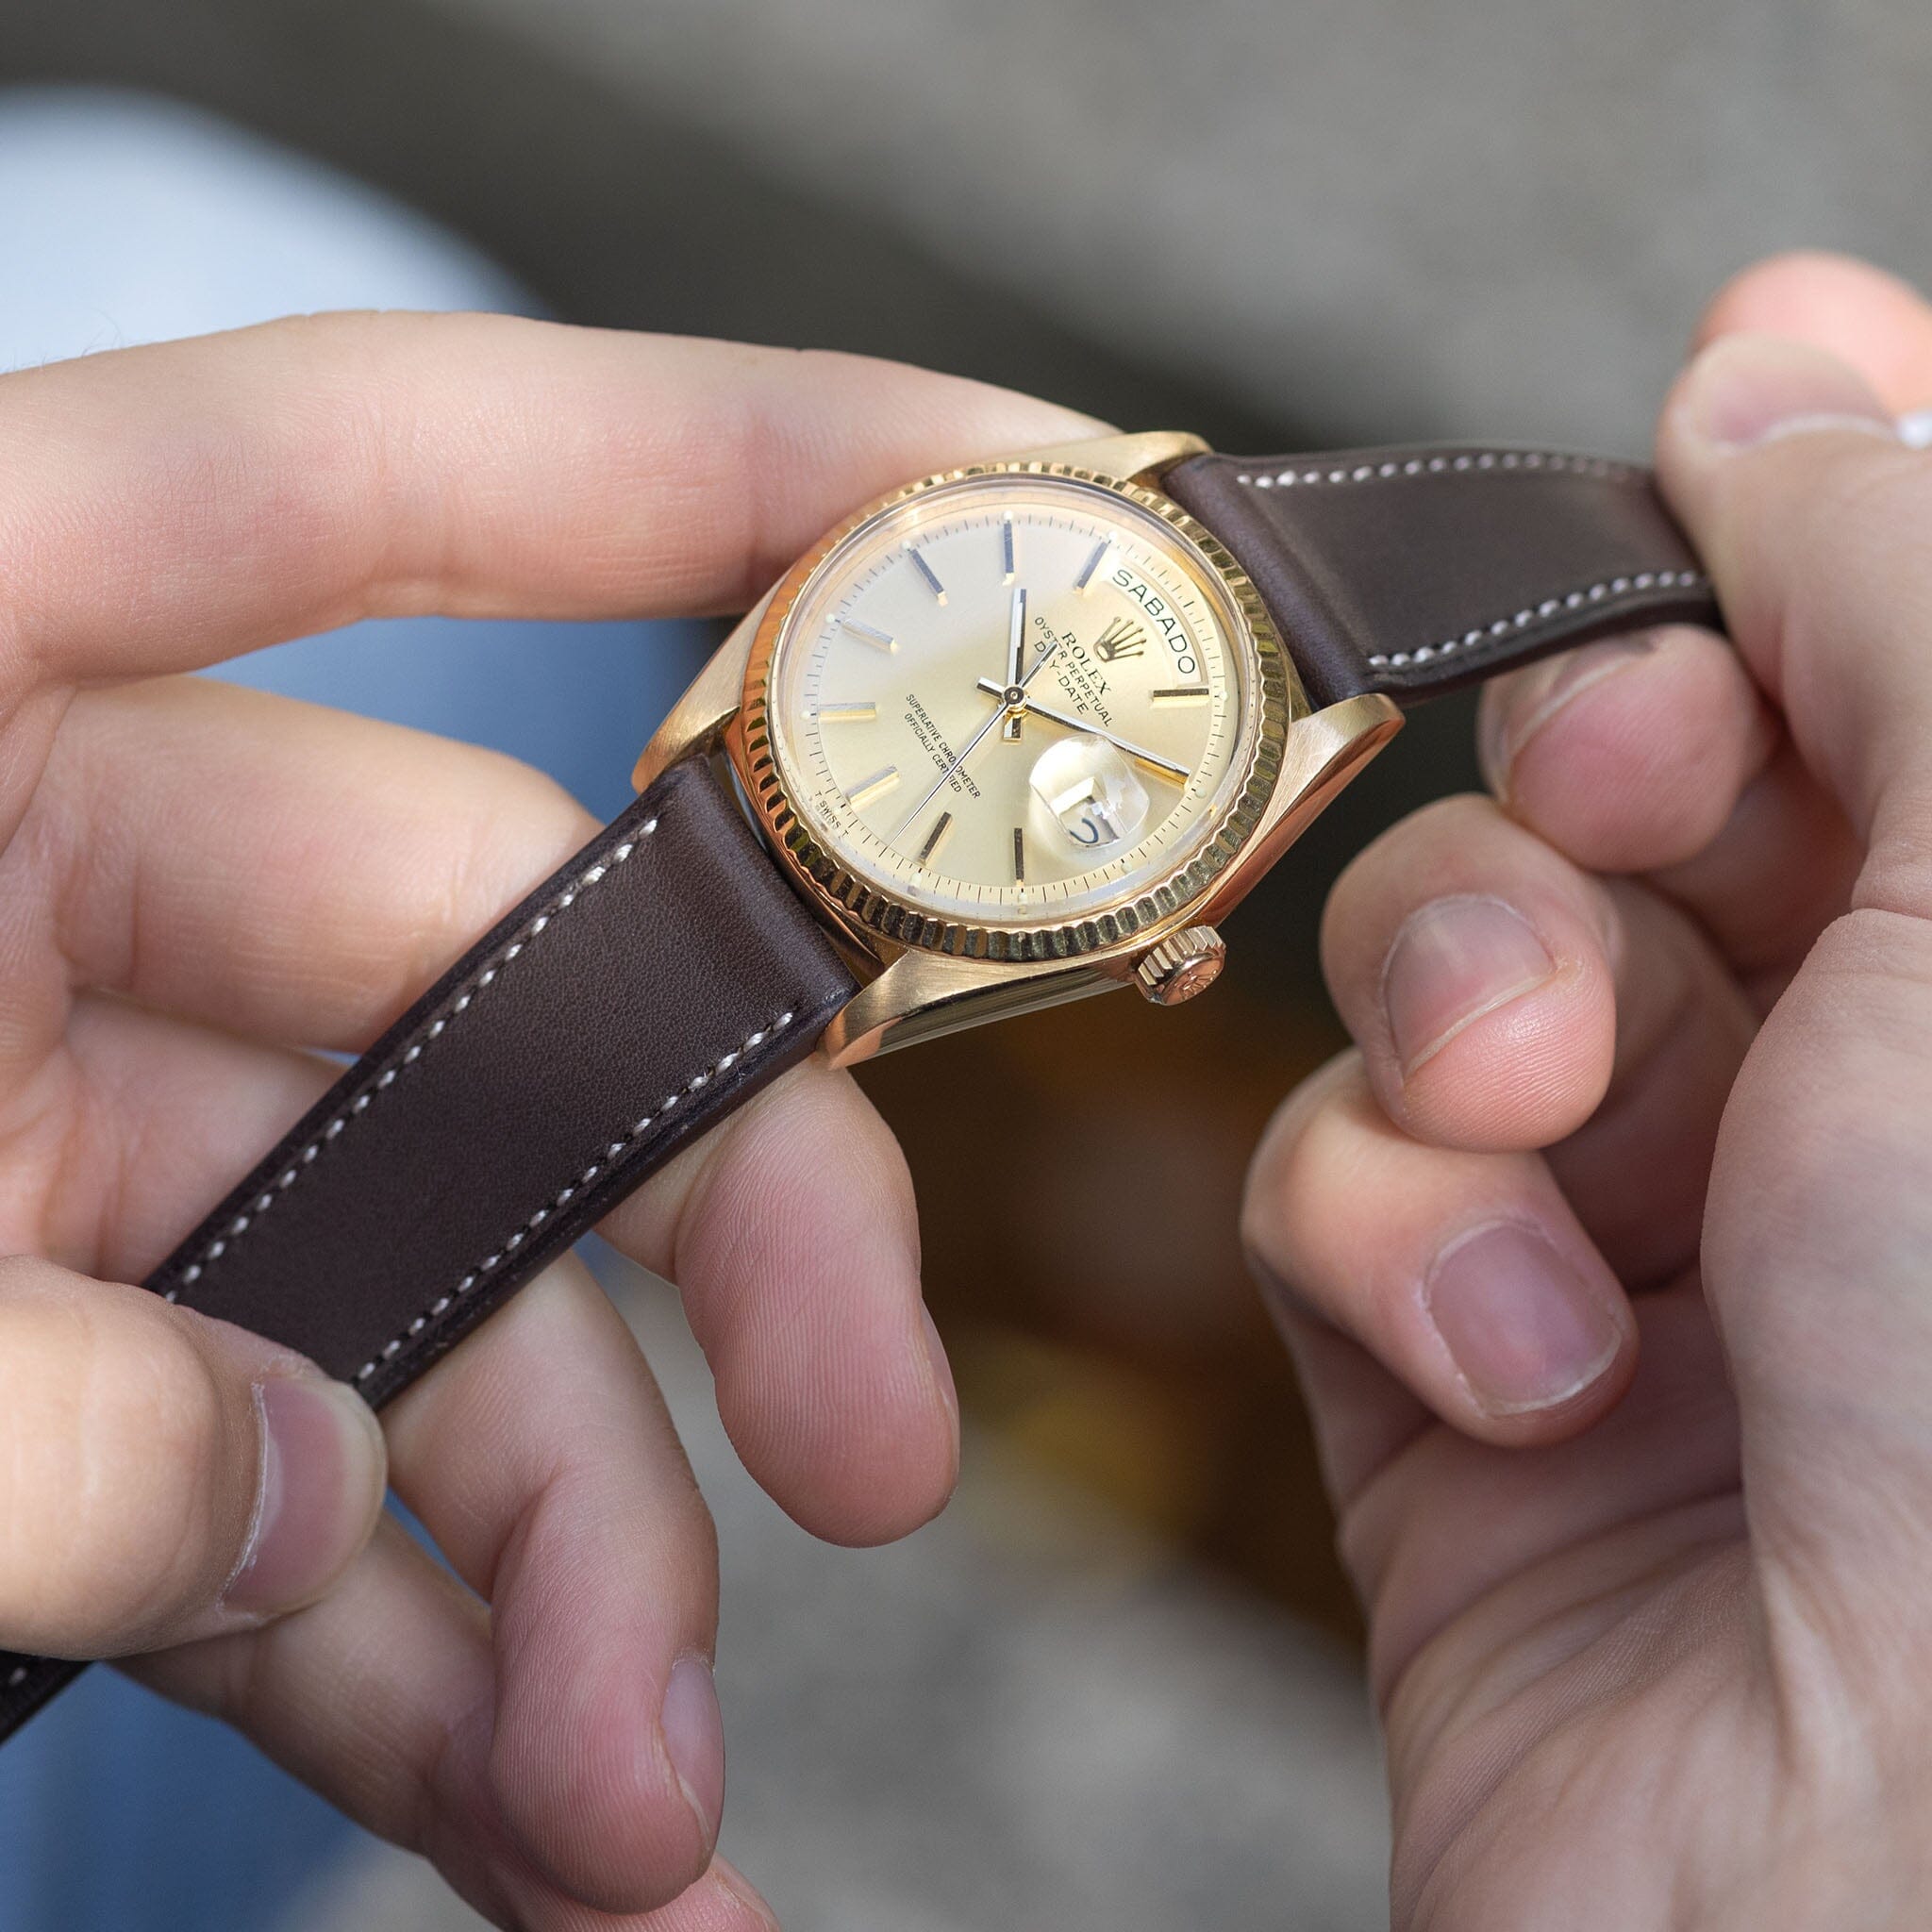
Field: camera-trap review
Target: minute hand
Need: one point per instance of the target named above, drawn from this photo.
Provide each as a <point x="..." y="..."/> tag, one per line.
<point x="1119" y="743"/>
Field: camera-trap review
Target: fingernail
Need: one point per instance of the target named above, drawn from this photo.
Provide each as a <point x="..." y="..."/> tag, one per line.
<point x="1453" y="961"/>
<point x="322" y="1474"/>
<point x="1524" y="1330"/>
<point x="1515" y="715"/>
<point x="694" y="1740"/>
<point x="1746" y="389"/>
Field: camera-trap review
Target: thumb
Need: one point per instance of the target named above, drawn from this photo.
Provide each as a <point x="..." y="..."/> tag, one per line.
<point x="164" y="1476"/>
<point x="1812" y="518"/>
<point x="1811" y="515"/>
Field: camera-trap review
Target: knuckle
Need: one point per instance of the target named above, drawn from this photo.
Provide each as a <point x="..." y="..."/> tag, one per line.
<point x="1850" y="525"/>
<point x="1831" y="1109"/>
<point x="111" y="1425"/>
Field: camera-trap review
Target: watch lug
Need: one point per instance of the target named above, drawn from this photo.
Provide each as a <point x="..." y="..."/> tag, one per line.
<point x="696" y="722"/>
<point x="922" y="995"/>
<point x="1142" y="458"/>
<point x="1325" y="750"/>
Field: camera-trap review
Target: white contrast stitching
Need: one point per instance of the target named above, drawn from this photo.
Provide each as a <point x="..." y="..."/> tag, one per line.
<point x="412" y="1052"/>
<point x="636" y="1132"/>
<point x="1570" y="602"/>
<point x="1442" y="462"/>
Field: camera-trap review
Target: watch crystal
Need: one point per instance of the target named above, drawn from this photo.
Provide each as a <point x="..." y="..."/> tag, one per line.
<point x="1013" y="700"/>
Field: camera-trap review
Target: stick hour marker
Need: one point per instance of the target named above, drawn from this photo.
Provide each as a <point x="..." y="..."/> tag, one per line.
<point x="849" y="714"/>
<point x="1084" y="581"/>
<point x="884" y="641"/>
<point x="1019" y="856"/>
<point x="875" y="787"/>
<point x="1006" y="547"/>
<point x="1182" y="694"/>
<point x="925" y="569"/>
<point x="934" y="837"/>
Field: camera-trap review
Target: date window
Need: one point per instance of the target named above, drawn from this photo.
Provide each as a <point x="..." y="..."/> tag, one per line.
<point x="1090" y="791"/>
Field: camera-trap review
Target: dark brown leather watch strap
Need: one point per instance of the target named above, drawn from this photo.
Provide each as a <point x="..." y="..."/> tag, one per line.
<point x="654" y="984"/>
<point x="1415" y="571"/>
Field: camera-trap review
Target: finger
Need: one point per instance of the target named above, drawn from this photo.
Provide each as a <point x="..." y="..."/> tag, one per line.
<point x="1808" y="512"/>
<point x="1667" y="721"/>
<point x="1878" y="324"/>
<point x="1472" y="965"/>
<point x="1431" y="1521"/>
<point x="164" y="508"/>
<point x="792" y="1235"/>
<point x="381" y="1698"/>
<point x="1504" y="999"/>
<point x="1473" y="1285"/>
<point x="1634" y="756"/>
<point x="542" y="1459"/>
<point x="1811" y="515"/>
<point x="275" y="869"/>
<point x="1447" y="1541"/>
<point x="580" y="1547"/>
<point x="166" y="1476"/>
<point x="790" y="1230"/>
<point x="1656" y="753"/>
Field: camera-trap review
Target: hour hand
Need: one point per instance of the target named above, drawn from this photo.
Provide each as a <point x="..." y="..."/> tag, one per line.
<point x="1016" y="649"/>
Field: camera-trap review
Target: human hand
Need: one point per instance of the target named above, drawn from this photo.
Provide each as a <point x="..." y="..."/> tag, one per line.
<point x="1645" y="1051"/>
<point x="201" y="888"/>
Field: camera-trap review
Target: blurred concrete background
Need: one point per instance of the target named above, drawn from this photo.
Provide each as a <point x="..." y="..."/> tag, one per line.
<point x="1284" y="225"/>
<point x="1382" y="217"/>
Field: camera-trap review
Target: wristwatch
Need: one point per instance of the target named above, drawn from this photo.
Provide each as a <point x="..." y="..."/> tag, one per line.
<point x="1012" y="735"/>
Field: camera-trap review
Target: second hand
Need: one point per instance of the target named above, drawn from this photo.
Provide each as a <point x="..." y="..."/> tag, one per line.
<point x="1153" y="758"/>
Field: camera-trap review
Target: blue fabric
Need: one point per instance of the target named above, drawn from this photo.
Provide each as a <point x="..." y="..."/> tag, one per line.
<point x="120" y="1813"/>
<point x="129" y="220"/>
<point x="124" y="220"/>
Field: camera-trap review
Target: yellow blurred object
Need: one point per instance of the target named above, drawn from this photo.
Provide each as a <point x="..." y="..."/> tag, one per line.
<point x="1109" y="1425"/>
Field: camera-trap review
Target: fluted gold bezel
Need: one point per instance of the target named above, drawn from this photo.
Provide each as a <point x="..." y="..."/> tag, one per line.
<point x="1144" y="913"/>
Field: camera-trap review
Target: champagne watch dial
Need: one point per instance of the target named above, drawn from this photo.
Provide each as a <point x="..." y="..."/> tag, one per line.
<point x="1015" y="700"/>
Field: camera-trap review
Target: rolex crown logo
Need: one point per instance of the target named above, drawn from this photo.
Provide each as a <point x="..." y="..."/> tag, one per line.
<point x="1122" y="638"/>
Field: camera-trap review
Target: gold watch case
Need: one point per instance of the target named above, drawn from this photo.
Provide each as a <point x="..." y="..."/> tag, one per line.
<point x="921" y="975"/>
